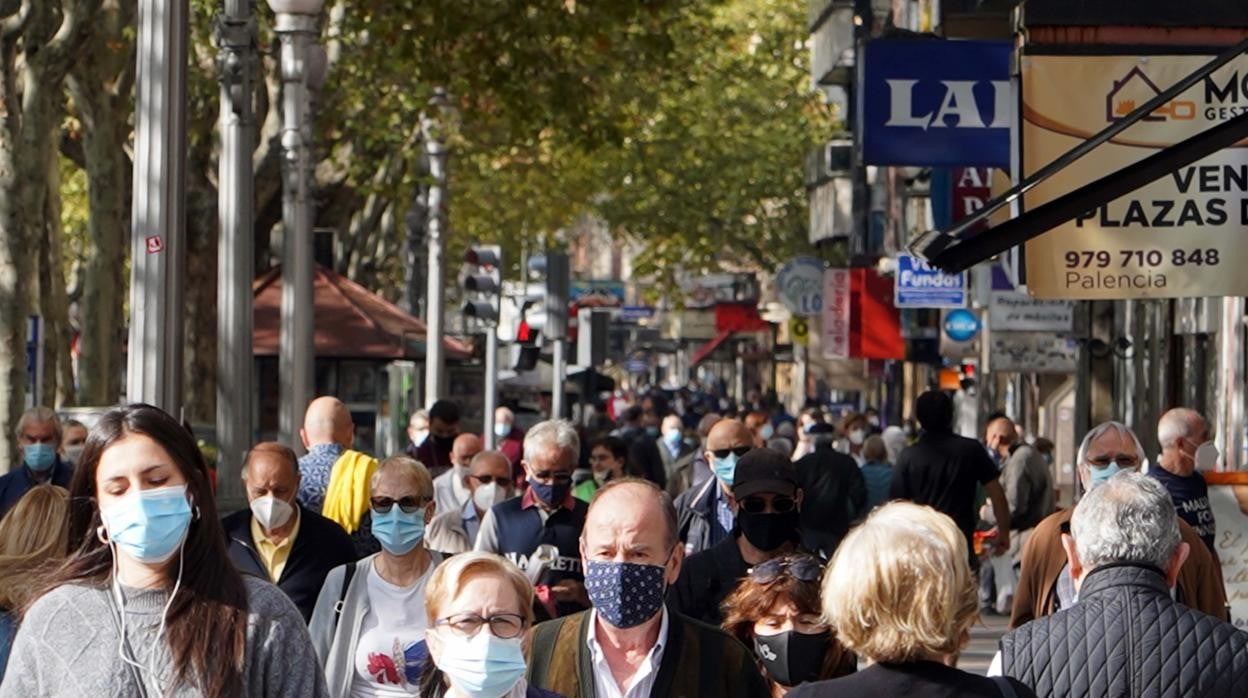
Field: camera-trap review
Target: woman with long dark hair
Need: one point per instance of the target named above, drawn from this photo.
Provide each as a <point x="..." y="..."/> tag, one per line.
<point x="148" y="604"/>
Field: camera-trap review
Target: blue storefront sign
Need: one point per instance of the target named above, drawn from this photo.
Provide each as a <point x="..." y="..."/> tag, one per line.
<point x="920" y="285"/>
<point x="961" y="325"/>
<point x="928" y="102"/>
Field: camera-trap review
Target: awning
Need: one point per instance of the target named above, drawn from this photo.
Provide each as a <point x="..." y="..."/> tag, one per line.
<point x="350" y="322"/>
<point x="709" y="348"/>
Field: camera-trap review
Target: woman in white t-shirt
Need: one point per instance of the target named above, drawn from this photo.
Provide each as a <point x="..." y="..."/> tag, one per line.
<point x="369" y="623"/>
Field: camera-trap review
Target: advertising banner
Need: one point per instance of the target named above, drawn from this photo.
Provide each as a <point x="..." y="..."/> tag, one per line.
<point x="938" y="103"/>
<point x="837" y="309"/>
<point x="920" y="285"/>
<point x="1017" y="311"/>
<point x="1179" y="236"/>
<point x="1032" y="352"/>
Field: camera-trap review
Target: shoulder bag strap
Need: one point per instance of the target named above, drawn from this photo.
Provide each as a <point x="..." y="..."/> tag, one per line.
<point x="1007" y="689"/>
<point x="347" y="573"/>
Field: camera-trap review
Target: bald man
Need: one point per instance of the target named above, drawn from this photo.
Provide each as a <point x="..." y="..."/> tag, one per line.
<point x="449" y="490"/>
<point x="328" y="434"/>
<point x="704" y="513"/>
<point x="488" y="482"/>
<point x="630" y="643"/>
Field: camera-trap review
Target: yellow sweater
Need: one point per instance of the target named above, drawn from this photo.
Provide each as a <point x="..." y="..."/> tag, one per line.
<point x="347" y="496"/>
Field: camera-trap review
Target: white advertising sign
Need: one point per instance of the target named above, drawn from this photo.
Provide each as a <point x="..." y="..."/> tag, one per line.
<point x="1016" y="311"/>
<point x="1230" y="512"/>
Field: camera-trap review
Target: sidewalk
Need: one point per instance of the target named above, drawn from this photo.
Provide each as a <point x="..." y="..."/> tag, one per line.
<point x="984" y="636"/>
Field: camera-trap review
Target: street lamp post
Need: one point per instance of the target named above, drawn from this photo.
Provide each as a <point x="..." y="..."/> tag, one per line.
<point x="297" y="24"/>
<point x="158" y="223"/>
<point x="235" y="261"/>
<point x="435" y="123"/>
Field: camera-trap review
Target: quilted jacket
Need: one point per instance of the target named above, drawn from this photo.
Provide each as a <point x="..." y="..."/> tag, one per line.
<point x="1127" y="638"/>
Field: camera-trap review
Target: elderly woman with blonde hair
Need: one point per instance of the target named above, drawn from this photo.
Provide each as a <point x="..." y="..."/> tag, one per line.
<point x="479" y="608"/>
<point x="899" y="592"/>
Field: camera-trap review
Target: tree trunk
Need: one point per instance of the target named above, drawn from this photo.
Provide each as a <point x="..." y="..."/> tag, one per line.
<point x="101" y="92"/>
<point x="200" y="367"/>
<point x="14" y="285"/>
<point x="58" y="374"/>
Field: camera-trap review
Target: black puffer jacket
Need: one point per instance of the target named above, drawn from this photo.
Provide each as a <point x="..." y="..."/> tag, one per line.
<point x="1127" y="638"/>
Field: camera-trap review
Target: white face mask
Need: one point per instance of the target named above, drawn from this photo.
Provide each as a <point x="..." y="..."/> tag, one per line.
<point x="1206" y="456"/>
<point x="486" y="496"/>
<point x="418" y="437"/>
<point x="271" y="512"/>
<point x="857" y="436"/>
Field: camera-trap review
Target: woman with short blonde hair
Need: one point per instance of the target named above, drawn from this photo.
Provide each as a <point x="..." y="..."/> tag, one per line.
<point x="900" y="593"/>
<point x="480" y="609"/>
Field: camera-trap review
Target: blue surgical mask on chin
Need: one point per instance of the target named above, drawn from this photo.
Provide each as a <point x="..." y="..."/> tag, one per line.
<point x="725" y="468"/>
<point x="40" y="457"/>
<point x="501" y="429"/>
<point x="398" y="531"/>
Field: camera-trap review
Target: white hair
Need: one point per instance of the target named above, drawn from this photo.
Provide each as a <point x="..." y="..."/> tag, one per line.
<point x="1178" y="423"/>
<point x="1102" y="429"/>
<point x="39" y="415"/>
<point x="552" y="432"/>
<point x="894" y="442"/>
<point x="503" y="413"/>
<point x="1129" y="519"/>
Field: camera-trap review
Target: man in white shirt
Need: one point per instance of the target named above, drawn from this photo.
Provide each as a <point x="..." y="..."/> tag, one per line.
<point x="629" y="645"/>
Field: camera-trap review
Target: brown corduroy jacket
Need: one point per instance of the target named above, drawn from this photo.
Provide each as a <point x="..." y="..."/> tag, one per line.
<point x="1199" y="584"/>
<point x="699" y="661"/>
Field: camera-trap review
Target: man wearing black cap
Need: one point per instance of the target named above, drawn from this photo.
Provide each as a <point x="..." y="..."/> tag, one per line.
<point x="766" y="500"/>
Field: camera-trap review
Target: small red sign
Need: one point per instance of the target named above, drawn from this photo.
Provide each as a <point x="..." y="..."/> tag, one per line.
<point x="155" y="244"/>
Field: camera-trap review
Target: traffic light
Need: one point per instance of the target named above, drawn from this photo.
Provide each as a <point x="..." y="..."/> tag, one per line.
<point x="483" y="283"/>
<point x="528" y="347"/>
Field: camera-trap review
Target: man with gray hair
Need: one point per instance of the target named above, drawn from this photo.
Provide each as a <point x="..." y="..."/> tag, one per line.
<point x="38" y="443"/>
<point x="1126" y="636"/>
<point x="540" y="531"/>
<point x="1187" y="448"/>
<point x="1045" y="583"/>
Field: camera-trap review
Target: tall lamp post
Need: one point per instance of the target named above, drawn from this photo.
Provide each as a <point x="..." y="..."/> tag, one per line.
<point x="297" y="24"/>
<point x="435" y="125"/>
<point x="158" y="220"/>
<point x="235" y="261"/>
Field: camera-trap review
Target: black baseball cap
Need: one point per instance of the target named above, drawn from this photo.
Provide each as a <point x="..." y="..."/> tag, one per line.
<point x="764" y="470"/>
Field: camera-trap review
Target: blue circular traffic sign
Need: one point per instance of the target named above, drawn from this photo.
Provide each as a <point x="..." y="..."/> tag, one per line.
<point x="961" y="325"/>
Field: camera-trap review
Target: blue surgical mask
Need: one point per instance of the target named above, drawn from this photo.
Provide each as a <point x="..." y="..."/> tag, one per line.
<point x="673" y="438"/>
<point x="398" y="531"/>
<point x="625" y="594"/>
<point x="725" y="468"/>
<point x="149" y="525"/>
<point x="40" y="457"/>
<point x="767" y="431"/>
<point x="1101" y="475"/>
<point x="501" y="429"/>
<point x="481" y="666"/>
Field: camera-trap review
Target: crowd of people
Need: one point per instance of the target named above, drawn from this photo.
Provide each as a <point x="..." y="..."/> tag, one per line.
<point x="674" y="552"/>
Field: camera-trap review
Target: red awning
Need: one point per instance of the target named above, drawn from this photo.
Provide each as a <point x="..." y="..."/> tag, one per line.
<point x="350" y="322"/>
<point x="707" y="349"/>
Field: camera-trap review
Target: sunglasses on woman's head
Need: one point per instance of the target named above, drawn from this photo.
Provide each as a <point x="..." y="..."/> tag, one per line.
<point x="803" y="568"/>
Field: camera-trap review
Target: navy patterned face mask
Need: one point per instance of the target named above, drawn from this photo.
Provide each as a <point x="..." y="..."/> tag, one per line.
<point x="625" y="594"/>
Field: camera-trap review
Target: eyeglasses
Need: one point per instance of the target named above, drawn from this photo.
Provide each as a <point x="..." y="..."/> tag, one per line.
<point x="504" y="626"/>
<point x="409" y="505"/>
<point x="803" y="568"/>
<point x="724" y="452"/>
<point x="559" y="476"/>
<point x="487" y="479"/>
<point x="1124" y="460"/>
<point x="758" y="505"/>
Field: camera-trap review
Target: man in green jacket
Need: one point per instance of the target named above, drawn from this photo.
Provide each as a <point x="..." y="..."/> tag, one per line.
<point x="629" y="644"/>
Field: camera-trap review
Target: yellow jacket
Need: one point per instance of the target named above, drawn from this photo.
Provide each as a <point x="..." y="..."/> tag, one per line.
<point x="348" y="493"/>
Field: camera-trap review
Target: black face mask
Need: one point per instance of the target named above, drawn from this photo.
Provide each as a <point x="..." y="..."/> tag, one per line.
<point x="444" y="442"/>
<point x="791" y="657"/>
<point x="768" y="531"/>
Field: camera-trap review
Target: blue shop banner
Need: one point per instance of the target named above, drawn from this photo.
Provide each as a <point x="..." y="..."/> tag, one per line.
<point x="930" y="102"/>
